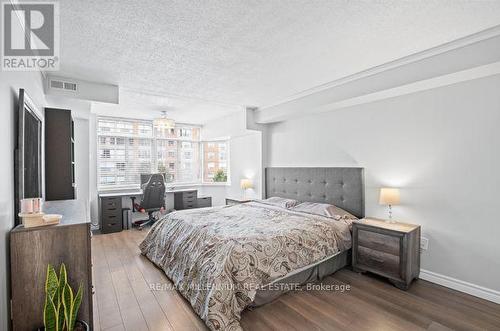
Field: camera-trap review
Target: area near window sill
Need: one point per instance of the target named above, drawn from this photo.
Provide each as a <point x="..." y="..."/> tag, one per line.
<point x="168" y="187"/>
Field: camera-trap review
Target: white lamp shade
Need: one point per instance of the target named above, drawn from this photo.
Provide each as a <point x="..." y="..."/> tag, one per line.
<point x="389" y="196"/>
<point x="246" y="183"/>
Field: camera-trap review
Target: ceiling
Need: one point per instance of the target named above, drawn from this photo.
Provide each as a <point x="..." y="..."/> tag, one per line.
<point x="225" y="54"/>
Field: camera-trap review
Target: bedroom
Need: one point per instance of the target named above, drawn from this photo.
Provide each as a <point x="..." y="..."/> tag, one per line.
<point x="164" y="128"/>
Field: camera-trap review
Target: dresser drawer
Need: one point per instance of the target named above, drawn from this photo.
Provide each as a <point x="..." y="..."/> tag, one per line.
<point x="189" y="195"/>
<point x="204" y="202"/>
<point x="111" y="224"/>
<point x="111" y="203"/>
<point x="107" y="218"/>
<point x="111" y="212"/>
<point x="191" y="205"/>
<point x="379" y="261"/>
<point x="189" y="200"/>
<point x="379" y="241"/>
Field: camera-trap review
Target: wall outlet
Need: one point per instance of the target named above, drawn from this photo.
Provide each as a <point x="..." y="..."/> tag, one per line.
<point x="424" y="244"/>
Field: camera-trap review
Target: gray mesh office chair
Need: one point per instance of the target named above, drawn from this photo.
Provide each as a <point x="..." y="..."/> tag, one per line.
<point x="153" y="199"/>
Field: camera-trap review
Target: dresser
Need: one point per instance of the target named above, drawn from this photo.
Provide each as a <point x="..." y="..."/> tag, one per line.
<point x="31" y="250"/>
<point x="186" y="199"/>
<point x="391" y="250"/>
<point x="111" y="214"/>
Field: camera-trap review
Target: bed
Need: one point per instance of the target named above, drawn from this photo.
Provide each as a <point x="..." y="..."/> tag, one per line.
<point x="225" y="259"/>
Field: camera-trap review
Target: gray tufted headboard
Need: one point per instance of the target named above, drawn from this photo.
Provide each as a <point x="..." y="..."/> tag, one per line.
<point x="342" y="187"/>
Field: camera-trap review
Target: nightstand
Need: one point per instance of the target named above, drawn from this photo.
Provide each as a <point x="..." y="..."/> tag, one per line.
<point x="236" y="201"/>
<point x="391" y="250"/>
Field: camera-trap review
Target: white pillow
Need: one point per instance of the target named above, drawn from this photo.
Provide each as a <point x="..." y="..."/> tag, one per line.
<point x="281" y="202"/>
<point x="324" y="209"/>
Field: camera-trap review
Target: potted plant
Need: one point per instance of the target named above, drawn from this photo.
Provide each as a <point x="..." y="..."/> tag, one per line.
<point x="61" y="304"/>
<point x="220" y="176"/>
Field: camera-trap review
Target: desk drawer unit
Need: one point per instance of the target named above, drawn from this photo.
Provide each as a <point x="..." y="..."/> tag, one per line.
<point x="204" y="202"/>
<point x="111" y="214"/>
<point x="185" y="200"/>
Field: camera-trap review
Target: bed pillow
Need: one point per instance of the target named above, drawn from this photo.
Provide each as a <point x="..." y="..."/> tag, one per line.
<point x="281" y="202"/>
<point x="324" y="209"/>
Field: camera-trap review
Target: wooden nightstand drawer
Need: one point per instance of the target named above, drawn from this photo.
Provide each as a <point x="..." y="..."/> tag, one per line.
<point x="379" y="261"/>
<point x="379" y="242"/>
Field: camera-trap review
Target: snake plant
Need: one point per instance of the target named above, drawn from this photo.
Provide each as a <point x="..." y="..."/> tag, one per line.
<point x="61" y="305"/>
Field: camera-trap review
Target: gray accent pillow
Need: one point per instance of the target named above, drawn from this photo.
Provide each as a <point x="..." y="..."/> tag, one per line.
<point x="281" y="202"/>
<point x="324" y="209"/>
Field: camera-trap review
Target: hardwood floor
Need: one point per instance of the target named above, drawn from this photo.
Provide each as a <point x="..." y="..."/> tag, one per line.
<point x="124" y="300"/>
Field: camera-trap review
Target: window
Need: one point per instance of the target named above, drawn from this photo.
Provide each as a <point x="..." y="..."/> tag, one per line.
<point x="181" y="153"/>
<point x="127" y="147"/>
<point x="124" y="152"/>
<point x="215" y="162"/>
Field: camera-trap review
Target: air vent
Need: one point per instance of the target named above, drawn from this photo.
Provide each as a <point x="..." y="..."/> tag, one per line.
<point x="70" y="86"/>
<point x="61" y="85"/>
<point x="56" y="84"/>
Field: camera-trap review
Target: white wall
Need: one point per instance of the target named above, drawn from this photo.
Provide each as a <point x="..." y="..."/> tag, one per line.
<point x="245" y="157"/>
<point x="10" y="82"/>
<point x="82" y="162"/>
<point x="439" y="146"/>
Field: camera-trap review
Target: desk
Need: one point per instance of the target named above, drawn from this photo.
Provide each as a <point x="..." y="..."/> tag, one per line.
<point x="120" y="194"/>
<point x="112" y="204"/>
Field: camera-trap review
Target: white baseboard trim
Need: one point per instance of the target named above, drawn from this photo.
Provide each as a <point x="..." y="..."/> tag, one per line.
<point x="460" y="285"/>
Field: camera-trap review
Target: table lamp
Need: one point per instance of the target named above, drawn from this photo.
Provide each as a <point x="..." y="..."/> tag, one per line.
<point x="245" y="184"/>
<point x="389" y="196"/>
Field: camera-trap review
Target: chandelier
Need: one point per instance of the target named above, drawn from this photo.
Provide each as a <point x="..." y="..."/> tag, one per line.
<point x="163" y="123"/>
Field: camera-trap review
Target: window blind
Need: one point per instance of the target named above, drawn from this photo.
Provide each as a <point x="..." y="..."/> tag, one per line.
<point x="128" y="147"/>
<point x="125" y="150"/>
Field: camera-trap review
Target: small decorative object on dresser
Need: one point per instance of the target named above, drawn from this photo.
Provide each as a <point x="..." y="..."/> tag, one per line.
<point x="236" y="201"/>
<point x="387" y="249"/>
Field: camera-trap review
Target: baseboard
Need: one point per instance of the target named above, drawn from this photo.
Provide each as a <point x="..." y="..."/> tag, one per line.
<point x="460" y="285"/>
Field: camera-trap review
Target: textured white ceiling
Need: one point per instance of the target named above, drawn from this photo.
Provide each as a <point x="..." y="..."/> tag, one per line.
<point x="252" y="52"/>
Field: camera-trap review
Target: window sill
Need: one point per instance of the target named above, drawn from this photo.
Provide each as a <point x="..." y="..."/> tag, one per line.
<point x="216" y="184"/>
<point x="168" y="187"/>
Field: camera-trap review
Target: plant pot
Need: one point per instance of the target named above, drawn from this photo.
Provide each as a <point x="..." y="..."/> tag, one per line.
<point x="79" y="326"/>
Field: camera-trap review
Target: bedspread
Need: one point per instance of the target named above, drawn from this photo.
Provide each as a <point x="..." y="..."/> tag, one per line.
<point x="218" y="257"/>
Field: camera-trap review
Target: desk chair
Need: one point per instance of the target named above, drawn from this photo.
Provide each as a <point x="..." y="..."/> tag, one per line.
<point x="153" y="199"/>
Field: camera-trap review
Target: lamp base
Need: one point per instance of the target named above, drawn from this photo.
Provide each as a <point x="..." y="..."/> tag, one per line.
<point x="390" y="221"/>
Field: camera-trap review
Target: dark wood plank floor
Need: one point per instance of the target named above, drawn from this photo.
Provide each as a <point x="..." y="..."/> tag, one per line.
<point x="125" y="301"/>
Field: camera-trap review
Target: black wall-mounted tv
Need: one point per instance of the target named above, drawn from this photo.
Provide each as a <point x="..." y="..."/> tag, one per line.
<point x="29" y="151"/>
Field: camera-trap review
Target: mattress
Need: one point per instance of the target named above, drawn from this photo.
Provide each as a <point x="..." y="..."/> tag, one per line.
<point x="221" y="259"/>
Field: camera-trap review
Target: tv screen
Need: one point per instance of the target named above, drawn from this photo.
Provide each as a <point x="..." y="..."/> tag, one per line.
<point x="32" y="162"/>
<point x="29" y="156"/>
